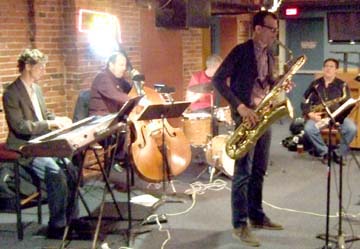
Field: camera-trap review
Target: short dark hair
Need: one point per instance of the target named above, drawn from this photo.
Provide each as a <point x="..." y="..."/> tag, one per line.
<point x="259" y="17"/>
<point x="113" y="57"/>
<point x="333" y="60"/>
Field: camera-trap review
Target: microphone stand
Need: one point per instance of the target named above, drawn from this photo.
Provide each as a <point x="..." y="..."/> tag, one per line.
<point x="330" y="125"/>
<point x="340" y="238"/>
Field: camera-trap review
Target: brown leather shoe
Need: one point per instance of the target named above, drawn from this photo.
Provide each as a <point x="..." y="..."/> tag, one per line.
<point x="245" y="235"/>
<point x="266" y="224"/>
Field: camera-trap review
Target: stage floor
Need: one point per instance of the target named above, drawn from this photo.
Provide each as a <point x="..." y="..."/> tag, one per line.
<point x="294" y="195"/>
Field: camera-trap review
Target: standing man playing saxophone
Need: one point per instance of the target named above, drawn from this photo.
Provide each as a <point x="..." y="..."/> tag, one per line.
<point x="250" y="67"/>
<point x="331" y="89"/>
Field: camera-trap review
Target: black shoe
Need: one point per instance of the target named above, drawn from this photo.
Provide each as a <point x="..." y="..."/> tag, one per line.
<point x="266" y="224"/>
<point x="57" y="233"/>
<point x="337" y="158"/>
<point x="82" y="228"/>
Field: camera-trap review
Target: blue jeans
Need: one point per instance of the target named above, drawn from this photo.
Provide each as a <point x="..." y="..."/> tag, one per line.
<point x="247" y="183"/>
<point x="347" y="130"/>
<point x="60" y="184"/>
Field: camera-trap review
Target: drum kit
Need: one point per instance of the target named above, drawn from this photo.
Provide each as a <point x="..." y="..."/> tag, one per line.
<point x="198" y="128"/>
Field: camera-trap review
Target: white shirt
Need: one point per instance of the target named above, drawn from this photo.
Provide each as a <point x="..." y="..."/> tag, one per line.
<point x="34" y="100"/>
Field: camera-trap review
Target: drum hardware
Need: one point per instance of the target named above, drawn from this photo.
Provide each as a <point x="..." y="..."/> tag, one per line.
<point x="163" y="88"/>
<point x="215" y="151"/>
<point x="223" y="114"/>
<point x="165" y="91"/>
<point x="217" y="158"/>
<point x="197" y="128"/>
<point x="213" y="168"/>
<point x="202" y="131"/>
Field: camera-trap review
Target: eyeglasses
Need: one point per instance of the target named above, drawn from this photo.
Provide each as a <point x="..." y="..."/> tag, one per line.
<point x="272" y="29"/>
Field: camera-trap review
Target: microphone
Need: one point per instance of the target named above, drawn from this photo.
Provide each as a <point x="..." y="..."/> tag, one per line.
<point x="138" y="81"/>
<point x="136" y="76"/>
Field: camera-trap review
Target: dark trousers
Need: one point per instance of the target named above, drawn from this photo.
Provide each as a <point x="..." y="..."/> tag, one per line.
<point x="60" y="181"/>
<point x="247" y="184"/>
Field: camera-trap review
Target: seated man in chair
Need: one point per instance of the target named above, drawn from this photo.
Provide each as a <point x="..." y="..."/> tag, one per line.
<point x="334" y="92"/>
<point x="28" y="118"/>
<point x="109" y="92"/>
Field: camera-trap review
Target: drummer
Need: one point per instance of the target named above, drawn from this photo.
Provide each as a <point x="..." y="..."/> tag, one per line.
<point x="200" y="90"/>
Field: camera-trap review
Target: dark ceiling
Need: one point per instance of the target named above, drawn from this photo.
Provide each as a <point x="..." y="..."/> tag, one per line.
<point x="233" y="7"/>
<point x="229" y="7"/>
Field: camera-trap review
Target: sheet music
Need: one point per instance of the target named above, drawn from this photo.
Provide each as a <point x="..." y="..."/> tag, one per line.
<point x="348" y="104"/>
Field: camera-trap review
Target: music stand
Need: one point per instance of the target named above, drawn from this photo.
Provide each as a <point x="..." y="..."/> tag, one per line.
<point x="163" y="111"/>
<point x="121" y="116"/>
<point x="340" y="238"/>
<point x="127" y="107"/>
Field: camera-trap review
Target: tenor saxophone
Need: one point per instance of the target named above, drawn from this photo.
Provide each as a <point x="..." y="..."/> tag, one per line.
<point x="269" y="110"/>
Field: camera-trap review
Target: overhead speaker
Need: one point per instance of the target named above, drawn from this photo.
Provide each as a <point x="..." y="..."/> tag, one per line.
<point x="171" y="14"/>
<point x="181" y="14"/>
<point x="199" y="12"/>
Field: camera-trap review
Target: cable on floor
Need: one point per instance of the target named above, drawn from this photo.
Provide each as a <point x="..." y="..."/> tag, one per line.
<point x="196" y="188"/>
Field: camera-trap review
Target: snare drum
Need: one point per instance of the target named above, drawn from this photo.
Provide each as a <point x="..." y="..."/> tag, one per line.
<point x="223" y="114"/>
<point x="197" y="128"/>
<point x="216" y="155"/>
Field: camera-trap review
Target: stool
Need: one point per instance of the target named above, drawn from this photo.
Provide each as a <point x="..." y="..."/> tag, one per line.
<point x="12" y="157"/>
<point x="335" y="136"/>
<point x="334" y="139"/>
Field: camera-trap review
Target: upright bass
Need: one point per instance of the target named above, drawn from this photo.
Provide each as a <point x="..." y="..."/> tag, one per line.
<point x="146" y="147"/>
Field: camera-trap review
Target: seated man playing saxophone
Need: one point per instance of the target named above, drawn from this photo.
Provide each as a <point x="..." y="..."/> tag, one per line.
<point x="334" y="92"/>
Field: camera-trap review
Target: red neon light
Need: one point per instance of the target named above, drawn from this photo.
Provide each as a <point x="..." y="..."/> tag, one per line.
<point x="291" y="11"/>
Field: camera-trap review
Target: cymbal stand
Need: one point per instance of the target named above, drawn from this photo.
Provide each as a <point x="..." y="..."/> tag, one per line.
<point x="210" y="167"/>
<point x="216" y="160"/>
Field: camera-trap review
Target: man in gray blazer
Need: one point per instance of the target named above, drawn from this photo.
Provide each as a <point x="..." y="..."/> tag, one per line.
<point x="27" y="117"/>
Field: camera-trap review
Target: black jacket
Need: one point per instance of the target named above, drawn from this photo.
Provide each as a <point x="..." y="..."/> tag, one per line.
<point x="241" y="66"/>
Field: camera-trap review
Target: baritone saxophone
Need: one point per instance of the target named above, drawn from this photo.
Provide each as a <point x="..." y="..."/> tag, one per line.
<point x="269" y="110"/>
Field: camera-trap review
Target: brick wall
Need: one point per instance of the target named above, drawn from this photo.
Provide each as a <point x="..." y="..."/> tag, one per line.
<point x="37" y="24"/>
<point x="192" y="53"/>
<point x="51" y="26"/>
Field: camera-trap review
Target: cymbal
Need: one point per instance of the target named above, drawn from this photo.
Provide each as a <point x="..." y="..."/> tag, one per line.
<point x="201" y="88"/>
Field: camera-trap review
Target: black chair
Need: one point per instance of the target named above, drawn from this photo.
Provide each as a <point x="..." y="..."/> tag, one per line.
<point x="82" y="105"/>
<point x="21" y="201"/>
